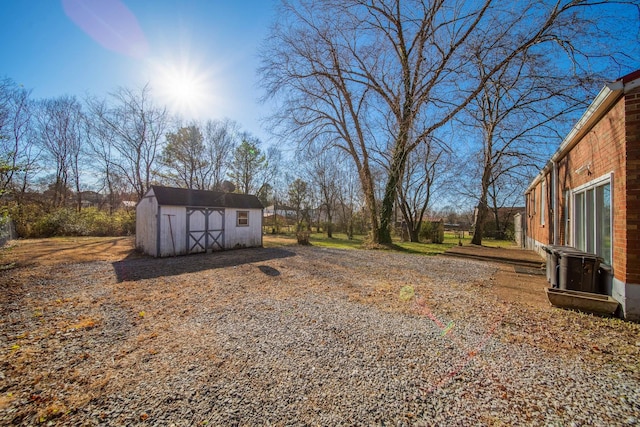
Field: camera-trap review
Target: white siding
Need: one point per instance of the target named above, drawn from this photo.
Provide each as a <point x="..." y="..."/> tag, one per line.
<point x="173" y="228"/>
<point x="171" y="233"/>
<point x="243" y="236"/>
<point x="146" y="224"/>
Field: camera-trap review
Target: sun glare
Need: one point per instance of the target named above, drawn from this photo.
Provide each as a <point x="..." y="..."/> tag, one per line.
<point x="184" y="88"/>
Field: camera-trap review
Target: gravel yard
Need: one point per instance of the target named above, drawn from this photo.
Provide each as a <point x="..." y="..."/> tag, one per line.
<point x="302" y="336"/>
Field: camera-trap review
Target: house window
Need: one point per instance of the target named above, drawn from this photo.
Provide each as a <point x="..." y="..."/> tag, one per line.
<point x="242" y="218"/>
<point x="543" y="198"/>
<point x="532" y="203"/>
<point x="592" y="218"/>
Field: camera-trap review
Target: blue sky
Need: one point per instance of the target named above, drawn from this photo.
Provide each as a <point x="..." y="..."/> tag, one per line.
<point x="205" y="49"/>
<point x="200" y="56"/>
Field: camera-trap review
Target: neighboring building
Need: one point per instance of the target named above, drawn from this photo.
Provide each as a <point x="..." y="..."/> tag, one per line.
<point x="588" y="194"/>
<point x="506" y="217"/>
<point x="178" y="221"/>
<point x="282" y="211"/>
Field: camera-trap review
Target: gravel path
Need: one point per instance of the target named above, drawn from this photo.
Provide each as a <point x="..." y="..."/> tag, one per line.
<point x="302" y="336"/>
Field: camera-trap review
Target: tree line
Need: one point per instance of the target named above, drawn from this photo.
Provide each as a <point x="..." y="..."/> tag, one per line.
<point x="403" y="88"/>
<point x="393" y="106"/>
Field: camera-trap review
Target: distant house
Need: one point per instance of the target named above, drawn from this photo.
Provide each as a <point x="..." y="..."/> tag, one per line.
<point x="281" y="211"/>
<point x="91" y="199"/>
<point x="178" y="221"/>
<point x="588" y="194"/>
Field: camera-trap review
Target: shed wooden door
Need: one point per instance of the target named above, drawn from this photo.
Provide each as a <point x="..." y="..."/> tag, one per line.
<point x="205" y="229"/>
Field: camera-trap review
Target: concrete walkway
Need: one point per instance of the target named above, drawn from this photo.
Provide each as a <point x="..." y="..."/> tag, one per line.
<point x="521" y="274"/>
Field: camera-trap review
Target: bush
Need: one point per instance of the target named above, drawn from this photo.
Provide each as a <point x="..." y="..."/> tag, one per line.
<point x="303" y="237"/>
<point x="426" y="231"/>
<point x="60" y="222"/>
<point x="432" y="232"/>
<point x="68" y="222"/>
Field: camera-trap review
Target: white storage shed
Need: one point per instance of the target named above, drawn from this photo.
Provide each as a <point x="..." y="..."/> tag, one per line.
<point x="178" y="221"/>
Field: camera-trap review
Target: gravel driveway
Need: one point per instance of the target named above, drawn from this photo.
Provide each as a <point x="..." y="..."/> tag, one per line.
<point x="302" y="336"/>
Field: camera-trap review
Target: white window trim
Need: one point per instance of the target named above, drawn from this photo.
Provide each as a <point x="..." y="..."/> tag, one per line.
<point x="568" y="216"/>
<point x="601" y="180"/>
<point x="238" y="219"/>
<point x="594" y="183"/>
<point x="543" y="204"/>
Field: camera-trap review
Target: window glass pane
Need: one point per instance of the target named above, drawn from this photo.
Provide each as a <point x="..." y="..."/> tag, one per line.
<point x="243" y="218"/>
<point x="579" y="222"/>
<point x="543" y="197"/>
<point x="567" y="217"/>
<point x="590" y="221"/>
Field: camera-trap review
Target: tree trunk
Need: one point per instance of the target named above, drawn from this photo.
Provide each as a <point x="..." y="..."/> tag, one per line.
<point x="480" y="219"/>
<point x="482" y="206"/>
<point x="499" y="231"/>
<point x="386" y="212"/>
<point x="414" y="234"/>
<point x="370" y="202"/>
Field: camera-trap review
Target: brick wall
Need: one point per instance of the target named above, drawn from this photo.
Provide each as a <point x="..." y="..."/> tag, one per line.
<point x="542" y="233"/>
<point x="632" y="128"/>
<point x="603" y="151"/>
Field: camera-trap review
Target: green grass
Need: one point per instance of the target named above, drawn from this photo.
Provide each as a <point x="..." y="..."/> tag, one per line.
<point x="423" y="248"/>
<point x="340" y="241"/>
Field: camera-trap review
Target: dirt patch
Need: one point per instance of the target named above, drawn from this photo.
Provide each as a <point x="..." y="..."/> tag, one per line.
<point x="520" y="277"/>
<point x="61" y="250"/>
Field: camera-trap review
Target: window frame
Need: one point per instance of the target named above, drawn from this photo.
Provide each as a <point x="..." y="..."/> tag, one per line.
<point x="590" y="220"/>
<point x="242" y="215"/>
<point x="543" y="190"/>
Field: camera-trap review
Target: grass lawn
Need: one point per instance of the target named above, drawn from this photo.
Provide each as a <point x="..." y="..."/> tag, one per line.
<point x="340" y="241"/>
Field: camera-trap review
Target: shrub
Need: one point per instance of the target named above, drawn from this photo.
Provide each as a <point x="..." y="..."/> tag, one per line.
<point x="303" y="237"/>
<point x="60" y="222"/>
<point x="432" y="232"/>
<point x="31" y="221"/>
<point x="426" y="231"/>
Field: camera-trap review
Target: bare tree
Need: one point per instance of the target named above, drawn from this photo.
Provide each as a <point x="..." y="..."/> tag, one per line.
<point x="220" y="139"/>
<point x="517" y="115"/>
<point x="349" y="195"/>
<point x="60" y="132"/>
<point x="504" y="196"/>
<point x="18" y="151"/>
<point x="136" y="127"/>
<point x="323" y="172"/>
<point x="102" y="151"/>
<point x="424" y="170"/>
<point x="382" y="77"/>
<point x="523" y="107"/>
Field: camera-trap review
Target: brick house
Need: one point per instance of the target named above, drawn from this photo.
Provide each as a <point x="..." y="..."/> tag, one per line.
<point x="588" y="194"/>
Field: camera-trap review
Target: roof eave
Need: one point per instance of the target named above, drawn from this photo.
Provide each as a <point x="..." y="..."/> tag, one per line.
<point x="605" y="99"/>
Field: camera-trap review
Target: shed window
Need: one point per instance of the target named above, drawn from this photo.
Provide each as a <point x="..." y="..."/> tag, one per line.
<point x="242" y="218"/>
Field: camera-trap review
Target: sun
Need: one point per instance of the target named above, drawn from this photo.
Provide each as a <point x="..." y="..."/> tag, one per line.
<point x="182" y="87"/>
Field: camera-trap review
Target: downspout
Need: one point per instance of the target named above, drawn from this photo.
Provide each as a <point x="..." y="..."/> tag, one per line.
<point x="554" y="201"/>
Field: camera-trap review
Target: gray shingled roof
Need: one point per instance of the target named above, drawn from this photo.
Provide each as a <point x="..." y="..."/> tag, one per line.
<point x="203" y="198"/>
